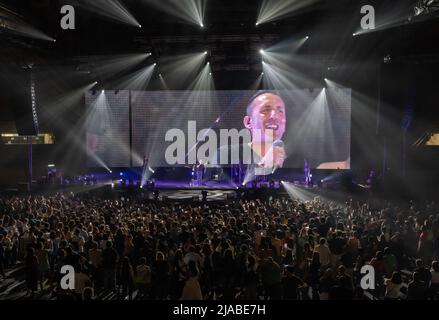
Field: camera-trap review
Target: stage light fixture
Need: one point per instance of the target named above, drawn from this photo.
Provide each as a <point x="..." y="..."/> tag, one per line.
<point x="261" y="51"/>
<point x="387" y="59"/>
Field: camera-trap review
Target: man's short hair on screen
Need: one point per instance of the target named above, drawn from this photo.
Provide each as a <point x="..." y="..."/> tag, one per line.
<point x="257" y="94"/>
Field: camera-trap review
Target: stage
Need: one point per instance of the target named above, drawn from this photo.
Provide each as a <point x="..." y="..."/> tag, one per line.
<point x="177" y="184"/>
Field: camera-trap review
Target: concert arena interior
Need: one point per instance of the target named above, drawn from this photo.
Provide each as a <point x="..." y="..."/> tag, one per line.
<point x="218" y="150"/>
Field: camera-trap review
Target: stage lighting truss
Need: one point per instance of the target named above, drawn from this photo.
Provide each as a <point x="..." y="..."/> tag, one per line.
<point x="8" y="19"/>
<point x="425" y="7"/>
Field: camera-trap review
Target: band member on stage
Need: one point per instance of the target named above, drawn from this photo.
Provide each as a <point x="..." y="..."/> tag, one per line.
<point x="200" y="172"/>
<point x="147" y="171"/>
<point x="307" y="172"/>
<point x="194" y="174"/>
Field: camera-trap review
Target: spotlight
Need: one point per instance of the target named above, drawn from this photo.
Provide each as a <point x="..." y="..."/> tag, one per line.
<point x="103" y="91"/>
<point x="208" y="62"/>
<point x="257" y="23"/>
<point x="307" y="37"/>
<point x="54" y="40"/>
<point x="210" y="73"/>
<point x="201" y="25"/>
<point x="140" y="26"/>
<point x="205" y="52"/>
<point x="262" y="73"/>
<point x="112" y="185"/>
<point x="262" y="51"/>
<point x="326" y="79"/>
<point x="387" y="58"/>
<point x="154" y="64"/>
<point x="111" y="171"/>
<point x="354" y="34"/>
<point x="141" y="187"/>
<point x="160" y="75"/>
<point x="121" y="174"/>
<point x="263" y="62"/>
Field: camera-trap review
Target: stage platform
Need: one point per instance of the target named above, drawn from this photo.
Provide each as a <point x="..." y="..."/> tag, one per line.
<point x="176" y="184"/>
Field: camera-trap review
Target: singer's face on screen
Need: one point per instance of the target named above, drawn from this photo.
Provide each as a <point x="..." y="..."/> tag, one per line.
<point x="266" y="114"/>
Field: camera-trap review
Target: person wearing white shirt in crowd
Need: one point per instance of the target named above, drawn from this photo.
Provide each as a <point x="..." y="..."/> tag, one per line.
<point x="324" y="253"/>
<point x="193" y="256"/>
<point x="83" y="233"/>
<point x="143" y="277"/>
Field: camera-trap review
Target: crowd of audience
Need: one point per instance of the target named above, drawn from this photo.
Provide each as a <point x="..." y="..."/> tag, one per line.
<point x="241" y="249"/>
